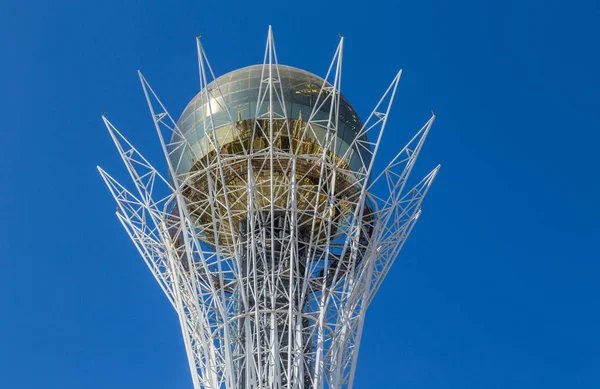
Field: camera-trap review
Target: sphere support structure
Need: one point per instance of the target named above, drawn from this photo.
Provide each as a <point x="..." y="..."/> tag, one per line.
<point x="272" y="242"/>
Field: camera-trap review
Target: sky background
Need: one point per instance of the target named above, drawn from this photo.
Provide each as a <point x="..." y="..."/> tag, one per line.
<point x="497" y="286"/>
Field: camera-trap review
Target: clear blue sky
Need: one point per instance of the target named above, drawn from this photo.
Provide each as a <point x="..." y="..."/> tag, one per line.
<point x="498" y="284"/>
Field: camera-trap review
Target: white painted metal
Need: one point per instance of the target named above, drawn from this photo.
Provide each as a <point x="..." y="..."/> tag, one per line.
<point x="296" y="323"/>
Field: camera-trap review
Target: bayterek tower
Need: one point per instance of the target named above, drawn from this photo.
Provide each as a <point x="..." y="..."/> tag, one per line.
<point x="271" y="231"/>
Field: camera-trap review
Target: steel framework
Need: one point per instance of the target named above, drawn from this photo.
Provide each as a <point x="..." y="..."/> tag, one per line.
<point x="279" y="302"/>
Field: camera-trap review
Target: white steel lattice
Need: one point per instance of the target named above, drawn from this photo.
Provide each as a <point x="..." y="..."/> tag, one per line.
<point x="269" y="253"/>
